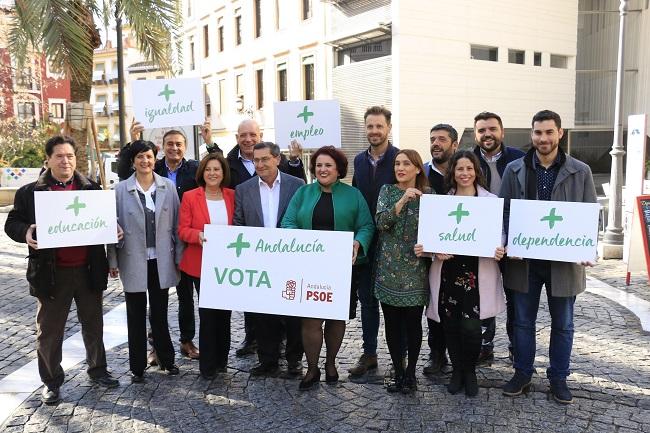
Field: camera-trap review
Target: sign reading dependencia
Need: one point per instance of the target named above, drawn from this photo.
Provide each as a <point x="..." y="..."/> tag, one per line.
<point x="168" y="102"/>
<point x="312" y="123"/>
<point x="74" y="218"/>
<point x="303" y="273"/>
<point x="453" y="224"/>
<point x="553" y="230"/>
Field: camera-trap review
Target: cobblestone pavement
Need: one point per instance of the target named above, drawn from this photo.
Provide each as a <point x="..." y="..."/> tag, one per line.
<point x="610" y="380"/>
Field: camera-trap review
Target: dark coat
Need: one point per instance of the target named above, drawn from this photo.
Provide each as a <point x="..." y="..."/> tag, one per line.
<point x="185" y="178"/>
<point x="239" y="174"/>
<point x="41" y="266"/>
<point x="370" y="184"/>
<point x="508" y="154"/>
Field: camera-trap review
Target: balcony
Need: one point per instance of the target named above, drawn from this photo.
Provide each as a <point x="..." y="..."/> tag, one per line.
<point x="99" y="77"/>
<point x="100" y="109"/>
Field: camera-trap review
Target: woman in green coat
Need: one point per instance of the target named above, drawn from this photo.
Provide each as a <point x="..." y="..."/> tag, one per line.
<point x="328" y="204"/>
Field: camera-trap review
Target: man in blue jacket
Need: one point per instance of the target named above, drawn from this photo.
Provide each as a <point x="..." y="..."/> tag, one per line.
<point x="493" y="156"/>
<point x="373" y="168"/>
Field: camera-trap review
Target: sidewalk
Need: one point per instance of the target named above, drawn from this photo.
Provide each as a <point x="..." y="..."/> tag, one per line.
<point x="610" y="380"/>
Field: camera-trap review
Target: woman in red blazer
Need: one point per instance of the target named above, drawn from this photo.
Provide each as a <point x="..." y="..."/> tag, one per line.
<point x="210" y="203"/>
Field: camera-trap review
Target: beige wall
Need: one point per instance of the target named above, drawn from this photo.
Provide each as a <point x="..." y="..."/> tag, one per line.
<point x="437" y="81"/>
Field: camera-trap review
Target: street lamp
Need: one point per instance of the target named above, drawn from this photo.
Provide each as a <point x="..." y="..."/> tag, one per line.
<point x="612" y="244"/>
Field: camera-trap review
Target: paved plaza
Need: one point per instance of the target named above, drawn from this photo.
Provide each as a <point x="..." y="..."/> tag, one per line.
<point x="610" y="379"/>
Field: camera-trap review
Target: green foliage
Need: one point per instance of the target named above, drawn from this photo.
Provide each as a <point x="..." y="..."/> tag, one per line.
<point x="22" y="144"/>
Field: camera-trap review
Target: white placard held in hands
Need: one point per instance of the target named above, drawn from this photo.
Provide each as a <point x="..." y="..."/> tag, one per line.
<point x="304" y="273"/>
<point x="75" y="218"/>
<point x="312" y="123"/>
<point x="168" y="102"/>
<point x="553" y="230"/>
<point x="453" y="224"/>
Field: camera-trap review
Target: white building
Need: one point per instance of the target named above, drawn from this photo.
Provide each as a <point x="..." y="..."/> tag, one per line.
<point x="428" y="61"/>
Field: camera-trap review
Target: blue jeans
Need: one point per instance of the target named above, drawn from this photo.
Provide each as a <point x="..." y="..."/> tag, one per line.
<point x="362" y="279"/>
<point x="561" y="310"/>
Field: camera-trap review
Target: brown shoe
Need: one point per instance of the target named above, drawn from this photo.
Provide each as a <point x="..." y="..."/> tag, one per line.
<point x="189" y="349"/>
<point x="365" y="363"/>
<point x="152" y="358"/>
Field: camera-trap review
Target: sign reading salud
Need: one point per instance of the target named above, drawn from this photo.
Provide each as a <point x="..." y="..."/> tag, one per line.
<point x="168" y="102"/>
<point x="452" y="224"/>
<point x="312" y="123"/>
<point x="553" y="230"/>
<point x="303" y="273"/>
<point x="75" y="218"/>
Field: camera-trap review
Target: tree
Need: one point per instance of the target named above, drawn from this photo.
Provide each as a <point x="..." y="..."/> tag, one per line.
<point x="65" y="31"/>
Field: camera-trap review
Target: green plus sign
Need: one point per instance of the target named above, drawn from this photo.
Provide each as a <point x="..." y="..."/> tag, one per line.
<point x="239" y="244"/>
<point x="552" y="218"/>
<point x="167" y="92"/>
<point x="306" y="114"/>
<point x="459" y="213"/>
<point x="75" y="206"/>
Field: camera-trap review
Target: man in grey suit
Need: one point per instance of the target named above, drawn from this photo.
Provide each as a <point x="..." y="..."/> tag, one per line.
<point x="261" y="202"/>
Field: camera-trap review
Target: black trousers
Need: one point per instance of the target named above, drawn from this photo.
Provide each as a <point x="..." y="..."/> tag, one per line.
<point x="186" y="321"/>
<point x="214" y="335"/>
<point x="136" y="318"/>
<point x="269" y="329"/>
<point x="396" y="319"/>
<point x="436" y="338"/>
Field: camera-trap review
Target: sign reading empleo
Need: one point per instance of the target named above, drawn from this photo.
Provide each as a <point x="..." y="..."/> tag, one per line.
<point x="553" y="230"/>
<point x="74" y="218"/>
<point x="312" y="123"/>
<point x="453" y="224"/>
<point x="168" y="102"/>
<point x="303" y="273"/>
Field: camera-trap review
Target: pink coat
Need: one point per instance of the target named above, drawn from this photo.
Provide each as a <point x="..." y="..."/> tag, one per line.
<point x="490" y="285"/>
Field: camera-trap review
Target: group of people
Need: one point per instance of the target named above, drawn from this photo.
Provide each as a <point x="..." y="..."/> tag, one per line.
<point x="164" y="204"/>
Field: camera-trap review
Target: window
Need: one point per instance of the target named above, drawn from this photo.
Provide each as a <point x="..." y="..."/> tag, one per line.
<point x="206" y="98"/>
<point x="479" y="52"/>
<point x="26" y="111"/>
<point x="537" y="58"/>
<point x="56" y="110"/>
<point x="115" y="106"/>
<point x="516" y="56"/>
<point x="189" y="8"/>
<point x="239" y="85"/>
<point x="25" y="79"/>
<point x="206" y="41"/>
<point x="259" y="87"/>
<point x="558" y="61"/>
<point x="192" y="63"/>
<point x="257" y="6"/>
<point x="282" y="82"/>
<point x="308" y="77"/>
<point x="373" y="50"/>
<point x="222" y="96"/>
<point x="237" y="26"/>
<point x="306" y="9"/>
<point x="220" y="34"/>
<point x="100" y="105"/>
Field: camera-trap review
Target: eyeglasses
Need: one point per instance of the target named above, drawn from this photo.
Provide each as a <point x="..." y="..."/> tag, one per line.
<point x="262" y="160"/>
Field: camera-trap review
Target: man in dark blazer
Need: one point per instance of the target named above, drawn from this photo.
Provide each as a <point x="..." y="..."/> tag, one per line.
<point x="242" y="168"/>
<point x="261" y="202"/>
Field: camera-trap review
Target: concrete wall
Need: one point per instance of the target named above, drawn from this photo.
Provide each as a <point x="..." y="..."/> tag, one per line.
<point x="435" y="80"/>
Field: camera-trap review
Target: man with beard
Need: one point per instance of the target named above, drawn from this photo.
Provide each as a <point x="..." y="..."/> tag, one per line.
<point x="372" y="169"/>
<point x="545" y="173"/>
<point x="444" y="143"/>
<point x="493" y="156"/>
<point x="242" y="168"/>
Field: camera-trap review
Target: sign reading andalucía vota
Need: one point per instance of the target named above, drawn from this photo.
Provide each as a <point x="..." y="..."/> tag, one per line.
<point x="303" y="273"/>
<point x="553" y="230"/>
<point x="168" y="102"/>
<point x="75" y="218"/>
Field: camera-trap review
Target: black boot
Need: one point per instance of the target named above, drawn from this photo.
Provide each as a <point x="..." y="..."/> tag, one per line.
<point x="471" y="347"/>
<point x="452" y="337"/>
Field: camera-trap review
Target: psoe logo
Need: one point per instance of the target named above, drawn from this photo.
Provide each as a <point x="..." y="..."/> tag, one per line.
<point x="289" y="292"/>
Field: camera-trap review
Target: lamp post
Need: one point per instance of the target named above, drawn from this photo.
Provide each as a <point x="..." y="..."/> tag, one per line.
<point x="612" y="244"/>
<point x="120" y="74"/>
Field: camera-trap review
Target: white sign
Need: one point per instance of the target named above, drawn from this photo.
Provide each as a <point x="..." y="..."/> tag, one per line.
<point x="168" y="102"/>
<point x="74" y="218"/>
<point x="634" y="176"/>
<point x="454" y="224"/>
<point x="553" y="230"/>
<point x="312" y="123"/>
<point x="304" y="273"/>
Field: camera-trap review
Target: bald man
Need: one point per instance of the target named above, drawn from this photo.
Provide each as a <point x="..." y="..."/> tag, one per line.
<point x="240" y="161"/>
